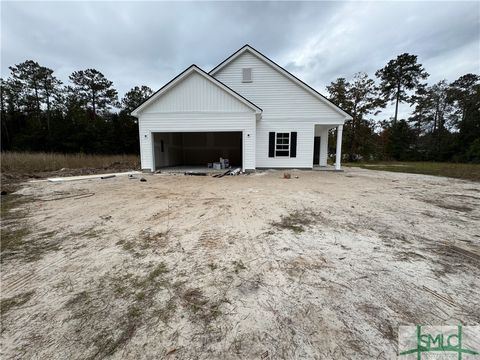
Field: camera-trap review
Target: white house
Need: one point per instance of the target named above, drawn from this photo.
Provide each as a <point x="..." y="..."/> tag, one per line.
<point x="247" y="109"/>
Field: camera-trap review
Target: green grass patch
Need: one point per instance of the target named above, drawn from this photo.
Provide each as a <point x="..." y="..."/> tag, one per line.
<point x="453" y="170"/>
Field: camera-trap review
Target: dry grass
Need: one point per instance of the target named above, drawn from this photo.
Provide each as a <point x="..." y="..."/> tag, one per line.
<point x="15" y="231"/>
<point x="135" y="305"/>
<point x="26" y="162"/>
<point x="15" y="301"/>
<point x="297" y="221"/>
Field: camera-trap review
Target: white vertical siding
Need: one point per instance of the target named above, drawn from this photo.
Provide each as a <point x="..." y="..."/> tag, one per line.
<point x="196" y="93"/>
<point x="146" y="147"/>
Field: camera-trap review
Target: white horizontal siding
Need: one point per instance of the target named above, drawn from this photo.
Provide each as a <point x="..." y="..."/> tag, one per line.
<point x="197" y="122"/>
<point x="196" y="93"/>
<point x="305" y="138"/>
<point x="277" y="95"/>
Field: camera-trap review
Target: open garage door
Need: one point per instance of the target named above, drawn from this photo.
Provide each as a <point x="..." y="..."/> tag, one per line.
<point x="197" y="148"/>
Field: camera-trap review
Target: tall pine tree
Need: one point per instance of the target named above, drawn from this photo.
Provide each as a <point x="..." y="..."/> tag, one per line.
<point x="94" y="90"/>
<point x="400" y="77"/>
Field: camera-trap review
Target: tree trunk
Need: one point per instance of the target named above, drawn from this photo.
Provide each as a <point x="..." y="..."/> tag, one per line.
<point x="37" y="98"/>
<point x="5" y="131"/>
<point x="396" y="102"/>
<point x="93" y="105"/>
<point x="352" y="137"/>
<point x="48" y="122"/>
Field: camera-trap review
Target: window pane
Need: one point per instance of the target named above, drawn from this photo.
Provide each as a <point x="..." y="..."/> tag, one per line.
<point x="283" y="144"/>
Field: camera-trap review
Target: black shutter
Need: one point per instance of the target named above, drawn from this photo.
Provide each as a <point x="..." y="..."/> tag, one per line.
<point x="271" y="144"/>
<point x="293" y="144"/>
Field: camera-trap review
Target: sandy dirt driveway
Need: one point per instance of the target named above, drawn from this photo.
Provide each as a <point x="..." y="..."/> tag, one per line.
<point x="326" y="265"/>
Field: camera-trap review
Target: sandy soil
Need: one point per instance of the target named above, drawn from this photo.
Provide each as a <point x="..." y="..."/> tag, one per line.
<point x="326" y="265"/>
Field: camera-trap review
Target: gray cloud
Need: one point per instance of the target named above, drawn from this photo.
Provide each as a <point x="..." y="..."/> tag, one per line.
<point x="135" y="43"/>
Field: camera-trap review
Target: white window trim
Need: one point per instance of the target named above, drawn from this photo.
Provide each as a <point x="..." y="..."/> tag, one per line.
<point x="289" y="144"/>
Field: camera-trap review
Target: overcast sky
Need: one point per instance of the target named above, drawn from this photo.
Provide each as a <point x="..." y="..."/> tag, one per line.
<point x="148" y="43"/>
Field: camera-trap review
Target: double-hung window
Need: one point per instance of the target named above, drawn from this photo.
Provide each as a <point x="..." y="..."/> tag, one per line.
<point x="282" y="144"/>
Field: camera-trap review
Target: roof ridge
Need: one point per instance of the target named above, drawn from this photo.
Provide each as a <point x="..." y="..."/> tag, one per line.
<point x="267" y="59"/>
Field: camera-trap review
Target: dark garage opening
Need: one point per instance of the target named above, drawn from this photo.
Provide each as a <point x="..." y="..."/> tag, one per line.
<point x="197" y="148"/>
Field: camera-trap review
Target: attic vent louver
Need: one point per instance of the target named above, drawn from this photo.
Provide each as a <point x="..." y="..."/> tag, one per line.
<point x="247" y="75"/>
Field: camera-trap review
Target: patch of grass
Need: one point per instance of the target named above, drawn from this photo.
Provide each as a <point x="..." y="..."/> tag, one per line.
<point x="296" y="221"/>
<point x="15" y="244"/>
<point x="153" y="240"/>
<point x="126" y="245"/>
<point x="409" y="256"/>
<point x="165" y="313"/>
<point x="238" y="266"/>
<point x="91" y="233"/>
<point x="201" y="308"/>
<point x="453" y="170"/>
<point x="129" y="301"/>
<point x="447" y="205"/>
<point x="13" y="239"/>
<point x="160" y="269"/>
<point x="78" y="298"/>
<point x="146" y="241"/>
<point x="17" y="240"/>
<point x="195" y="298"/>
<point x="27" y="162"/>
<point x="212" y="266"/>
<point x="106" y="344"/>
<point x="8" y="304"/>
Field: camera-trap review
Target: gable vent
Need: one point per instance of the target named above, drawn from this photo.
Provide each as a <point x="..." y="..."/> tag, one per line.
<point x="247" y="75"/>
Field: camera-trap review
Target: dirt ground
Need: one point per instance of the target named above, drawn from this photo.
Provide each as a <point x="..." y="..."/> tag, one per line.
<point x="326" y="265"/>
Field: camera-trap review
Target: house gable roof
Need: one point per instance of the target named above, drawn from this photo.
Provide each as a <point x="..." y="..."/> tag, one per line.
<point x="185" y="74"/>
<point x="274" y="65"/>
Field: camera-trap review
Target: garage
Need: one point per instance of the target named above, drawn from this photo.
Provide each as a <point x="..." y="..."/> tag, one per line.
<point x="197" y="149"/>
<point x="195" y="120"/>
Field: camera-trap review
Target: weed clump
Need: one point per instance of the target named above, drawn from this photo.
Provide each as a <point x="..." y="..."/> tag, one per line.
<point x="296" y="221"/>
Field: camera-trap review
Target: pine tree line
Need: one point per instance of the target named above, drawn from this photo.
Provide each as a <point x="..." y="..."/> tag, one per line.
<point x="444" y="125"/>
<point x="40" y="113"/>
